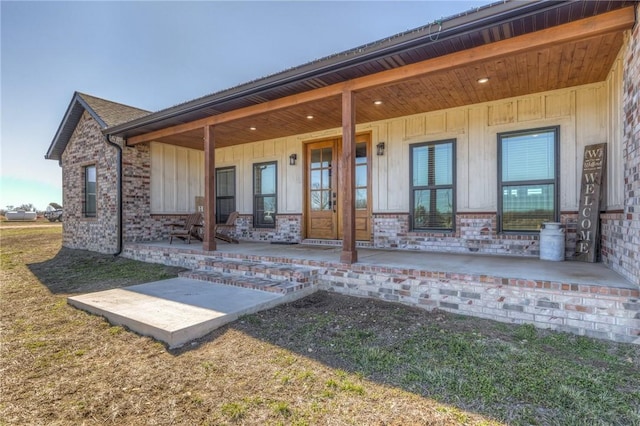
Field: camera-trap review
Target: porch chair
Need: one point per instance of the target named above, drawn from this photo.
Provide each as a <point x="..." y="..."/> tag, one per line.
<point x="229" y="225"/>
<point x="189" y="229"/>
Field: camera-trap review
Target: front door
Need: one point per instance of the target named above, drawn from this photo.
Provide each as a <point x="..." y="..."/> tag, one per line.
<point x="322" y="184"/>
<point x="323" y="209"/>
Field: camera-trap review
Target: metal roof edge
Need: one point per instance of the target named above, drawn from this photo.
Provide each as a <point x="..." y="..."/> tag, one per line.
<point x="63" y="124"/>
<point x="70" y="122"/>
<point x="458" y="24"/>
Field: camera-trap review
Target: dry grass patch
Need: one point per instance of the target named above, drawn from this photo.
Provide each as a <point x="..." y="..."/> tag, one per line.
<point x="323" y="360"/>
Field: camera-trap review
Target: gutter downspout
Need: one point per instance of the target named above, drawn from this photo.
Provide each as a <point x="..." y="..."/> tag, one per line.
<point x="120" y="204"/>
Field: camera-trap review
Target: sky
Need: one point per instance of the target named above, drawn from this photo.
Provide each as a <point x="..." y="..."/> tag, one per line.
<point x="157" y="54"/>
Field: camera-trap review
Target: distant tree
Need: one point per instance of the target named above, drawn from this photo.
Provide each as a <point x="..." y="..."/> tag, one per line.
<point x="9" y="208"/>
<point x="26" y="207"/>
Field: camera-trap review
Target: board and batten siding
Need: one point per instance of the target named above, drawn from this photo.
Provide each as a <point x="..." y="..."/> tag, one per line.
<point x="585" y="114"/>
<point x="289" y="179"/>
<point x="177" y="177"/>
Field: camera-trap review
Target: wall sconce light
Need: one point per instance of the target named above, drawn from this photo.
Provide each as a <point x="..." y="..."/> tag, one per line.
<point x="292" y="159"/>
<point x="380" y="148"/>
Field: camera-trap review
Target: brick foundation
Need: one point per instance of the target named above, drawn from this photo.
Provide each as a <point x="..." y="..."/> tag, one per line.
<point x="598" y="311"/>
<point x="594" y="311"/>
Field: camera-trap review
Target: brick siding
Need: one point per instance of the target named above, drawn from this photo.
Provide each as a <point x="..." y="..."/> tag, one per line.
<point x="621" y="232"/>
<point x="87" y="147"/>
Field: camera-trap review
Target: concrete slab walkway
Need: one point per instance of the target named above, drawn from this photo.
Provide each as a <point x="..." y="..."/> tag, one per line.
<point x="177" y="310"/>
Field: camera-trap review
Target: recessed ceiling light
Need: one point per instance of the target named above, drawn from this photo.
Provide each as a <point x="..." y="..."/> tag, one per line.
<point x="309" y="117"/>
<point x="377" y="102"/>
<point x="483" y="80"/>
<point x="252" y="128"/>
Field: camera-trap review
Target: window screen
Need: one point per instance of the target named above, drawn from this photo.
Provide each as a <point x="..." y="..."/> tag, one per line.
<point x="225" y="193"/>
<point x="528" y="179"/>
<point x="264" y="195"/>
<point x="432" y="186"/>
<point x="90" y="180"/>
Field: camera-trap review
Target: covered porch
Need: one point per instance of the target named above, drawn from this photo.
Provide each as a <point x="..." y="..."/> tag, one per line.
<point x="394" y="78"/>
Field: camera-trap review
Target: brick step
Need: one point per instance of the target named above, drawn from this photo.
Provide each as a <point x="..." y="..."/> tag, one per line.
<point x="253" y="282"/>
<point x="270" y="271"/>
<point x="333" y="243"/>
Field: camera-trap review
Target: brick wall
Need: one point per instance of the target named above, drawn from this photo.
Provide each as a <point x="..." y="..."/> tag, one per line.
<point x="288" y="229"/>
<point x="475" y="233"/>
<point x="136" y="189"/>
<point x="139" y="223"/>
<point x="621" y="232"/>
<point x="87" y="147"/>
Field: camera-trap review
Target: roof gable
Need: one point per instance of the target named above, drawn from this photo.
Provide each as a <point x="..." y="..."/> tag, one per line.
<point x="105" y="113"/>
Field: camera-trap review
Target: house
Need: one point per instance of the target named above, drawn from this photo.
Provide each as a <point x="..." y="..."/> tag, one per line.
<point x="462" y="136"/>
<point x="91" y="167"/>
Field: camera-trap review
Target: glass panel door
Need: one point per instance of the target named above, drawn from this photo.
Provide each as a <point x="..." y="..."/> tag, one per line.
<point x="321" y="191"/>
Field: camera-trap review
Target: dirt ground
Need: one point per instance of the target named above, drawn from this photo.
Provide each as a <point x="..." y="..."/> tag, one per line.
<point x="322" y="360"/>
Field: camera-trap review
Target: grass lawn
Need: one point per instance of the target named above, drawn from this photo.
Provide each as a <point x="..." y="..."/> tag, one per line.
<point x="322" y="360"/>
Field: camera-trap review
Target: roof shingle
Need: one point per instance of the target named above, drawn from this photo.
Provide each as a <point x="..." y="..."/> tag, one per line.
<point x="106" y="113"/>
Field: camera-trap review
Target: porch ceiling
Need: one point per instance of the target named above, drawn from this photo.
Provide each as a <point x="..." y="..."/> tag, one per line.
<point x="563" y="65"/>
<point x="576" y="53"/>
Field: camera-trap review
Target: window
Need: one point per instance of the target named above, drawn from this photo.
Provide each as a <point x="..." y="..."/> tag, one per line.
<point x="225" y="193"/>
<point x="90" y="191"/>
<point x="264" y="195"/>
<point x="432" y="186"/>
<point x="361" y="176"/>
<point x="527" y="179"/>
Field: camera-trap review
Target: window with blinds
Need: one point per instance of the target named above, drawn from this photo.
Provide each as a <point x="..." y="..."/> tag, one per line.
<point x="90" y="190"/>
<point x="264" y="195"/>
<point x="225" y="193"/>
<point x="433" y="185"/>
<point x="528" y="179"/>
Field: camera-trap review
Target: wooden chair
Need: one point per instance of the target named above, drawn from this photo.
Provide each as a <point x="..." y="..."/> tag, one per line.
<point x="229" y="225"/>
<point x="191" y="228"/>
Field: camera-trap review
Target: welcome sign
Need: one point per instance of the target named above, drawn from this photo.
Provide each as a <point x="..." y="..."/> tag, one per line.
<point x="588" y="232"/>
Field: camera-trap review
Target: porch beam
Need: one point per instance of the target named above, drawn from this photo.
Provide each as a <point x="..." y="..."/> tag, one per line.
<point x="617" y="20"/>
<point x="347" y="192"/>
<point x="209" y="239"/>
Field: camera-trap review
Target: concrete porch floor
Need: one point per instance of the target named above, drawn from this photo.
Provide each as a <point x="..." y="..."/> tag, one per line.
<point x="477" y="264"/>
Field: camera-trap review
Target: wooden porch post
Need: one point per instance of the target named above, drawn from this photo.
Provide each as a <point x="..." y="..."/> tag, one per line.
<point x="209" y="239"/>
<point x="347" y="192"/>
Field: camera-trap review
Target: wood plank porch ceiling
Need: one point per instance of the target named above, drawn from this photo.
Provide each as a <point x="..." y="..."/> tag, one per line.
<point x="571" y="62"/>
